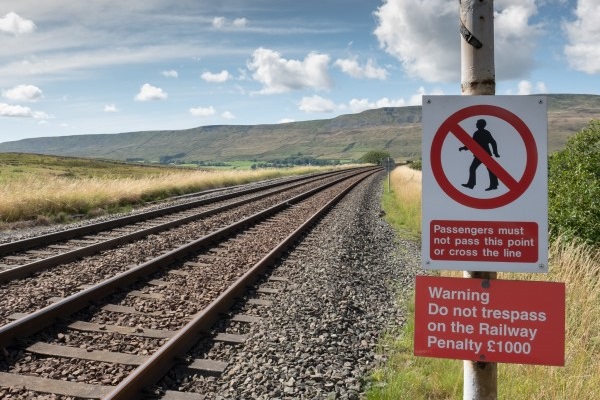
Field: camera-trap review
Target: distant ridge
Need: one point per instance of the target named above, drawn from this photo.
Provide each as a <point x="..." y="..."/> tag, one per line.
<point x="346" y="137"/>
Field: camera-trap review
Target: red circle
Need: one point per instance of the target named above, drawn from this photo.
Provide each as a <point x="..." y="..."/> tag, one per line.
<point x="493" y="202"/>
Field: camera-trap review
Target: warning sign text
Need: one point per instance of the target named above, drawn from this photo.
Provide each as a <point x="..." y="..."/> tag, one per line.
<point x="490" y="320"/>
<point x="483" y="241"/>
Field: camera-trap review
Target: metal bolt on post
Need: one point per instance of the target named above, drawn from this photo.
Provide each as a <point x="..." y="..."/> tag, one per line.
<point x="478" y="78"/>
<point x="478" y="75"/>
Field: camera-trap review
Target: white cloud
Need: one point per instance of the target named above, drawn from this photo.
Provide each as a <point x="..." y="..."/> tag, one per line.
<point x="541" y="87"/>
<point x="358" y="105"/>
<point x="286" y="120"/>
<point x="369" y="70"/>
<point x="203" y="111"/>
<point x="8" y="110"/>
<point x="423" y="36"/>
<point x="279" y="75"/>
<point x="240" y="22"/>
<point x="228" y="115"/>
<point x="149" y="93"/>
<point x="170" y="74"/>
<point x="15" y="24"/>
<point x="316" y="104"/>
<point x="23" y="93"/>
<point x="41" y="115"/>
<point x="514" y="36"/>
<point x="222" y="23"/>
<point x="69" y="65"/>
<point x="582" y="50"/>
<point x="220" y="77"/>
<point x="525" y="88"/>
<point x="417" y="98"/>
<point x="110" y="108"/>
<point x="219" y="22"/>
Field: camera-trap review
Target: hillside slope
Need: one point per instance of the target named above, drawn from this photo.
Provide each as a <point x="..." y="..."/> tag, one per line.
<point x="394" y="129"/>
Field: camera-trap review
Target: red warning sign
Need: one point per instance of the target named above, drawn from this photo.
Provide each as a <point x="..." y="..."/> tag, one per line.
<point x="485" y="183"/>
<point x="516" y="185"/>
<point x="490" y="320"/>
<point x="483" y="241"/>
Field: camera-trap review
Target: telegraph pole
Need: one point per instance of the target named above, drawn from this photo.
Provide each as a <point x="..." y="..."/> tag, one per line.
<point x="478" y="77"/>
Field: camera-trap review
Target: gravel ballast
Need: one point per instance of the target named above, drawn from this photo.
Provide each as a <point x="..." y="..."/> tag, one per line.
<point x="319" y="337"/>
<point x="336" y="294"/>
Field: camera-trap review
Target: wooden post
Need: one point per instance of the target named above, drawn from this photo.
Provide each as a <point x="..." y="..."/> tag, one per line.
<point x="389" y="177"/>
<point x="478" y="77"/>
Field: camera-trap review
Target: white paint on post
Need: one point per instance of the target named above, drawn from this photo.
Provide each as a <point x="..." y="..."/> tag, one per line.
<point x="480" y="381"/>
<point x="478" y="77"/>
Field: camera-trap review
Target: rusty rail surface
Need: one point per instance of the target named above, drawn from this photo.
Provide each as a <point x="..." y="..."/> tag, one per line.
<point x="166" y="356"/>
<point x="25" y="270"/>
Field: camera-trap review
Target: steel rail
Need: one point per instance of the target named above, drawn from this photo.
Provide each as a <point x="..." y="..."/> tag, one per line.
<point x="283" y="182"/>
<point x="168" y="355"/>
<point x="25" y="270"/>
<point x="44" y="317"/>
<point x="37" y="241"/>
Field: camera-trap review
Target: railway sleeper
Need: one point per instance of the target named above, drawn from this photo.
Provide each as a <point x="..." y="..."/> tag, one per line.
<point x="94" y="391"/>
<point x="143" y="377"/>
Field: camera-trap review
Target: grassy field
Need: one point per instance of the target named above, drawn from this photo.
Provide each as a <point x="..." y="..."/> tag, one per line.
<point x="407" y="377"/>
<point x="40" y="189"/>
<point x="402" y="203"/>
<point x="393" y="129"/>
<point x="18" y="166"/>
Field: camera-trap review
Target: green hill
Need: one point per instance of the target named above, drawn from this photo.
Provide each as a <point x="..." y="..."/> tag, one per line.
<point x="346" y="137"/>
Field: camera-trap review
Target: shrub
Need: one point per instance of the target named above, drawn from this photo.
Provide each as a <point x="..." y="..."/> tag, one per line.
<point x="574" y="187"/>
<point x="374" y="156"/>
<point x="416" y="165"/>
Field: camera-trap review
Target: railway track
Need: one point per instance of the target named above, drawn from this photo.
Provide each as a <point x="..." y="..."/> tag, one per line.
<point x="62" y="279"/>
<point x="115" y="334"/>
<point x="24" y="257"/>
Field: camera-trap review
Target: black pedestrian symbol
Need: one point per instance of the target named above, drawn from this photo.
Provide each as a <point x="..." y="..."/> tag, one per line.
<point x="484" y="139"/>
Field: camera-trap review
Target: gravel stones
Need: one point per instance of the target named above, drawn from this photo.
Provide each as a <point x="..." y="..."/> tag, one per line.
<point x="318" y="337"/>
<point x="318" y="340"/>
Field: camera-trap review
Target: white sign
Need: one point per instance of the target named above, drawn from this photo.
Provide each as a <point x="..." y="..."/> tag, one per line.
<point x="485" y="183"/>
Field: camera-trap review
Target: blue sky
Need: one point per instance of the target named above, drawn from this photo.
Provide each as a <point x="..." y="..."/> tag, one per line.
<point x="108" y="66"/>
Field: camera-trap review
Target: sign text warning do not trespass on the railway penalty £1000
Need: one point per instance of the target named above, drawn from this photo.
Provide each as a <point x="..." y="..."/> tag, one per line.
<point x="485" y="183"/>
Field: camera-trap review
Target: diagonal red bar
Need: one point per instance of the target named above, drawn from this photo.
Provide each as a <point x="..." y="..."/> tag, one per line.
<point x="484" y="157"/>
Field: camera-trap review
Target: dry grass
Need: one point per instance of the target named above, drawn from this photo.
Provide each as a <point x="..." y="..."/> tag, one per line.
<point x="403" y="204"/>
<point x="33" y="196"/>
<point x="578" y="265"/>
